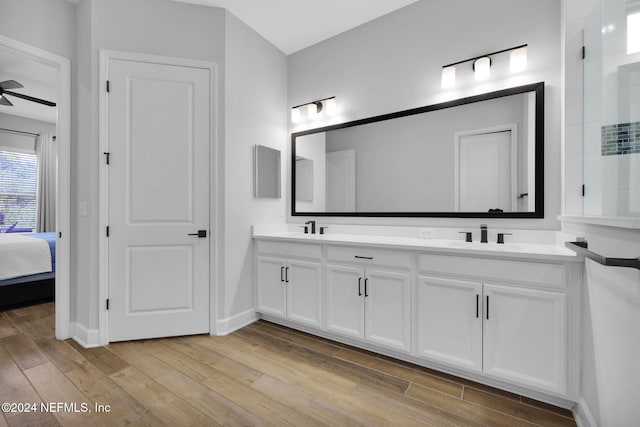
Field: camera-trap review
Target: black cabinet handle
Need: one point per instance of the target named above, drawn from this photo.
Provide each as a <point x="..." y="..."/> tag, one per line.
<point x="359" y="286"/>
<point x="286" y="275"/>
<point x="366" y="288"/>
<point x="487" y="307"/>
<point x="477" y="306"/>
<point x="282" y="273"/>
<point x="363" y="257"/>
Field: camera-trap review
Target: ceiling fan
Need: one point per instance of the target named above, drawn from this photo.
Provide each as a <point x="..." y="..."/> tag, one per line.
<point x="12" y="84"/>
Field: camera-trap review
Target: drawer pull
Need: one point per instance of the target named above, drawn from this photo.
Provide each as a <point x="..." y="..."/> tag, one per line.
<point x="363" y="257"/>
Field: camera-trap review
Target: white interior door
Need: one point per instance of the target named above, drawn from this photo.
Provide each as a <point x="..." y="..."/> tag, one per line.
<point x="158" y="194"/>
<point x="341" y="181"/>
<point x="485" y="172"/>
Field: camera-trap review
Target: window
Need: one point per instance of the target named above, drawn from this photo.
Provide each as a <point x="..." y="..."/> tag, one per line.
<point x="633" y="31"/>
<point x="18" y="189"/>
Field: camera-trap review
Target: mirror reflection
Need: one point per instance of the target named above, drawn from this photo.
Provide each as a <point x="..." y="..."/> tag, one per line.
<point x="471" y="157"/>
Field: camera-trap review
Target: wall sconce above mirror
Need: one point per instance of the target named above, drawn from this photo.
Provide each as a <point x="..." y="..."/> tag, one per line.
<point x="481" y="65"/>
<point x="267" y="172"/>
<point x="475" y="157"/>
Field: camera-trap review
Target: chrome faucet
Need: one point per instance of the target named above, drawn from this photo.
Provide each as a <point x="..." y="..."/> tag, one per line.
<point x="483" y="233"/>
<point x="313" y="226"/>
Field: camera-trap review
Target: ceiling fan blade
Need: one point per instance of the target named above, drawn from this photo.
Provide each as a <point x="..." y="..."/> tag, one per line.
<point x="31" y="98"/>
<point x="10" y="84"/>
<point x="4" y="101"/>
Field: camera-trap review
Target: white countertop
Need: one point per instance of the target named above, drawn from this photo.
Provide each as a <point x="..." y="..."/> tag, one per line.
<point x="540" y="251"/>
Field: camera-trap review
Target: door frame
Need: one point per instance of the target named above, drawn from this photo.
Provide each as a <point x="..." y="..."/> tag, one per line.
<point x="511" y="127"/>
<point x="103" y="212"/>
<point x="62" y="66"/>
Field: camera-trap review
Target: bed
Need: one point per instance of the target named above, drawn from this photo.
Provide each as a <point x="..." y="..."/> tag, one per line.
<point x="27" y="268"/>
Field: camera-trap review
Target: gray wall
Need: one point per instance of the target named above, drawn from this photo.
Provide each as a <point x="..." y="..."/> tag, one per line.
<point x="255" y="113"/>
<point x="407" y="164"/>
<point x="395" y="62"/>
<point x="9" y="121"/>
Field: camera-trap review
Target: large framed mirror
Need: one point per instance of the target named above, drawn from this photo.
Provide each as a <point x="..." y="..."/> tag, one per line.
<point x="475" y="157"/>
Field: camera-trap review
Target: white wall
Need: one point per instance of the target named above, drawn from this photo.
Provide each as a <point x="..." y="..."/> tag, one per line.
<point x="255" y="113"/>
<point x="611" y="299"/>
<point x="395" y="63"/>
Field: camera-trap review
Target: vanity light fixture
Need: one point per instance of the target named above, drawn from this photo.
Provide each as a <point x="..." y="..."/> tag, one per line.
<point x="314" y="108"/>
<point x="482" y="65"/>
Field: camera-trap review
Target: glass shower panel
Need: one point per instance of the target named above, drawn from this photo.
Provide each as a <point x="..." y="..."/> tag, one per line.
<point x="612" y="110"/>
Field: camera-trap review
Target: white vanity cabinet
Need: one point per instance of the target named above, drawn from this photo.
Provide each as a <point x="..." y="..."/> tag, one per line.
<point x="368" y="296"/>
<point x="506" y="319"/>
<point x="289" y="282"/>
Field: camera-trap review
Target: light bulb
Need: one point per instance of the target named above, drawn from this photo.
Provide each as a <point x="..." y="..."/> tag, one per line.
<point x="313" y="109"/>
<point x="518" y="60"/>
<point x="482" y="68"/>
<point x="295" y="115"/>
<point x="331" y="105"/>
<point x="448" y="77"/>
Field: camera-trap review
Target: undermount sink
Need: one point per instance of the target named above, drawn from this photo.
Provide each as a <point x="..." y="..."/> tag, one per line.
<point x="492" y="246"/>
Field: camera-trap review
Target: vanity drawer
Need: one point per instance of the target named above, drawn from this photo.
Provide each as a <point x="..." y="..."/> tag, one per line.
<point x="368" y="256"/>
<point x="495" y="269"/>
<point x="288" y="250"/>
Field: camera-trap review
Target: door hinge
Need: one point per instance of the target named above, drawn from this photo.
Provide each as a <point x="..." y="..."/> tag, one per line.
<point x="107" y="157"/>
<point x="107" y="303"/>
<point x="108" y="86"/>
<point x="584" y="52"/>
<point x="107" y="231"/>
<point x="583" y="190"/>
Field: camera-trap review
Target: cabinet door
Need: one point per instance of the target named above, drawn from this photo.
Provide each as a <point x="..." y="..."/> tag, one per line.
<point x="304" y="296"/>
<point x="525" y="337"/>
<point x="388" y="309"/>
<point x="271" y="286"/>
<point x="449" y="326"/>
<point x="344" y="303"/>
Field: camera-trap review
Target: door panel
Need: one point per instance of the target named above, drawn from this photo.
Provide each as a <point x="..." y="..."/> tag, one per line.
<point x="158" y="137"/>
<point x="450" y="321"/>
<point x="345" y="306"/>
<point x="271" y="290"/>
<point x="304" y="294"/>
<point x="388" y="309"/>
<point x="341" y="181"/>
<point x="525" y="338"/>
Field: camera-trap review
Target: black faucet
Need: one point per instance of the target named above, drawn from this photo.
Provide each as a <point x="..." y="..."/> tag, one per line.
<point x="483" y="233"/>
<point x="313" y="226"/>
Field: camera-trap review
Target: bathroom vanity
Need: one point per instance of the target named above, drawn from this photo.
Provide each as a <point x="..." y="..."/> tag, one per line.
<point x="506" y="315"/>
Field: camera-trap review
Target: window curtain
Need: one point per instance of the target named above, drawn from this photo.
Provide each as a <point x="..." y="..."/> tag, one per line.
<point x="47" y="163"/>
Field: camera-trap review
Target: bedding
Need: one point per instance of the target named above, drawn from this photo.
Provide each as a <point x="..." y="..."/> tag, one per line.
<point x="32" y="288"/>
<point x="26" y="254"/>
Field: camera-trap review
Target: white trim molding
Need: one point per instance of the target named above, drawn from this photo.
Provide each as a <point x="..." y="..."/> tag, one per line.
<point x="62" y="66"/>
<point x="583" y="415"/>
<point x="87" y="338"/>
<point x="233" y="323"/>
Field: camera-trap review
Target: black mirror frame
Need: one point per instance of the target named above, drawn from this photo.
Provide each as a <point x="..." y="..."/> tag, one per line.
<point x="538" y="88"/>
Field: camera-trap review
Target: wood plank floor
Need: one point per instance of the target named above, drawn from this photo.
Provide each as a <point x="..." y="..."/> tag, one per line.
<point x="263" y="374"/>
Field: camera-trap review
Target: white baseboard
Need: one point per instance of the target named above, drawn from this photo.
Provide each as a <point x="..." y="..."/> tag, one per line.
<point x="87" y="338"/>
<point x="235" y="322"/>
<point x="583" y="415"/>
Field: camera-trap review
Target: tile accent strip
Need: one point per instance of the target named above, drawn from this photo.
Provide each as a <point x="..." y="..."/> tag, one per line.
<point x="622" y="138"/>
